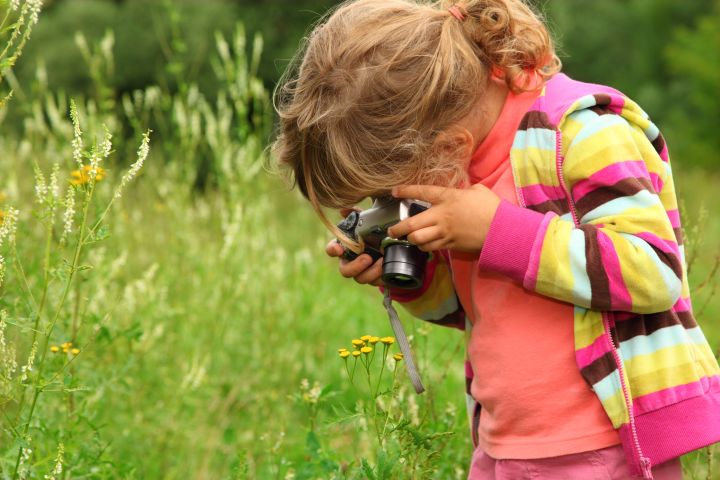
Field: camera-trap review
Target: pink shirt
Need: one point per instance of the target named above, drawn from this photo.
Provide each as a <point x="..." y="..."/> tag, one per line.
<point x="534" y="402"/>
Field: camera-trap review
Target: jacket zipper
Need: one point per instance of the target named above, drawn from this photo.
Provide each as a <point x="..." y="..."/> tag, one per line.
<point x="645" y="464"/>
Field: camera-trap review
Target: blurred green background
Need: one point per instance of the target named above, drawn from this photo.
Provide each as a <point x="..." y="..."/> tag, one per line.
<point x="664" y="54"/>
<point x="208" y="311"/>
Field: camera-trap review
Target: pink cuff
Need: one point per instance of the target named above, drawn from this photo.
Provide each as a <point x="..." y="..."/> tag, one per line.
<point x="510" y="240"/>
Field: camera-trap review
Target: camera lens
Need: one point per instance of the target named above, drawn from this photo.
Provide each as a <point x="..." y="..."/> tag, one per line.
<point x="403" y="265"/>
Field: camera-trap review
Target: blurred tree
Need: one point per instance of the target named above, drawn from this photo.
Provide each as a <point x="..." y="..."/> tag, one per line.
<point x="662" y="53"/>
<point x="149" y="34"/>
<point x="621" y="42"/>
<point x="694" y="60"/>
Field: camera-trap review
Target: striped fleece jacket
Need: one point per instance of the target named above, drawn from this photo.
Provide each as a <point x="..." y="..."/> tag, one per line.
<point x="600" y="229"/>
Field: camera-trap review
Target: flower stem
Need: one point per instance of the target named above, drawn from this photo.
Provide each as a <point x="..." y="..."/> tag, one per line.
<point x="63" y="298"/>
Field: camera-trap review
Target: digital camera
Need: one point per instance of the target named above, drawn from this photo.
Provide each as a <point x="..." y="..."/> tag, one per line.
<point x="403" y="262"/>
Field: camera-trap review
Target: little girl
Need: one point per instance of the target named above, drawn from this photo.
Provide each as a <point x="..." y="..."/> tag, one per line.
<point x="554" y="229"/>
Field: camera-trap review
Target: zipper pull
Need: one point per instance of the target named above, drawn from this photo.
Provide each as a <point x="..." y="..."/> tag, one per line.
<point x="645" y="466"/>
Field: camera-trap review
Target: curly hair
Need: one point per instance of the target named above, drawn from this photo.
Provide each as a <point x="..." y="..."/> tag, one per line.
<point x="362" y="106"/>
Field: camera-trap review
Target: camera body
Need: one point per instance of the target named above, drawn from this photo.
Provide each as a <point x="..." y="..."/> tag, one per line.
<point x="403" y="262"/>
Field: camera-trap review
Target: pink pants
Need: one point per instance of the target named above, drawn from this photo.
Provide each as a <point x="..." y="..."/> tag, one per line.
<point x="604" y="464"/>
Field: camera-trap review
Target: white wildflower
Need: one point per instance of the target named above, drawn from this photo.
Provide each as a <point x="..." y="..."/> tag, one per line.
<point x="7" y="353"/>
<point x="3" y="324"/>
<point x="23" y="470"/>
<point x="35" y="7"/>
<point x="2" y="270"/>
<point x="106" y="146"/>
<point x="30" y="361"/>
<point x="54" y="186"/>
<point x="94" y="164"/>
<point x="8" y="228"/>
<point x="54" y="190"/>
<point x="77" y="142"/>
<point x="69" y="215"/>
<point x="100" y="153"/>
<point x="41" y="188"/>
<point x="142" y="154"/>
<point x="14" y="4"/>
<point x="57" y="470"/>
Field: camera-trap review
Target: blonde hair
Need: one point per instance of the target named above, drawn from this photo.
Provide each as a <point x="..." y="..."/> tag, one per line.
<point x="376" y="82"/>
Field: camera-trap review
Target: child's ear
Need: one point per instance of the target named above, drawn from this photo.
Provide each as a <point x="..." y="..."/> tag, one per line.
<point x="457" y="143"/>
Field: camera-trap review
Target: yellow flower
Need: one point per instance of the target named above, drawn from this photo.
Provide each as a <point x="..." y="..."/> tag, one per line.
<point x="387" y="340"/>
<point x="67" y="345"/>
<point x="54" y="349"/>
<point x="358" y="343"/>
<point x="344" y="354"/>
<point x="398" y="357"/>
<point x="366" y="350"/>
<point x="81" y="177"/>
<point x="356" y="353"/>
<point x="374" y="340"/>
<point x="75" y="351"/>
<point x="340" y="350"/>
<point x="365" y="338"/>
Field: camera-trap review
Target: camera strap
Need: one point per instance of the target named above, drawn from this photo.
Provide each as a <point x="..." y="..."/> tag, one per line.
<point x="403" y="343"/>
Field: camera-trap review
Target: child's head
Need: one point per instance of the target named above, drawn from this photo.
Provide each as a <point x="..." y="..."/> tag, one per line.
<point x="371" y="99"/>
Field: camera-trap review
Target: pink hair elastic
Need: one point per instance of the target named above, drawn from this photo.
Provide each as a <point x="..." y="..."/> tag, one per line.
<point x="455" y="12"/>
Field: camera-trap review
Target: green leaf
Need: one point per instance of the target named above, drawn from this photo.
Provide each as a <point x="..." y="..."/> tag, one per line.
<point x="368" y="469"/>
<point x="313" y="443"/>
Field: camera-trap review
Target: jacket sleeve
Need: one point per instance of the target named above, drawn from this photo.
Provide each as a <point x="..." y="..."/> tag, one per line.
<point x="623" y="253"/>
<point x="435" y="301"/>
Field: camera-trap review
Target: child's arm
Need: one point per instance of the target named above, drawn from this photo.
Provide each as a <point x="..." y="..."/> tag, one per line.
<point x="624" y="254"/>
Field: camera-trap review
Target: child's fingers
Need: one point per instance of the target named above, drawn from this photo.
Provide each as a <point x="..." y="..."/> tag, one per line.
<point x="353" y="268"/>
<point x="334" y="249"/>
<point x="372" y="274"/>
<point x="410" y="224"/>
<point x="425" y="235"/>
<point x="434" y="245"/>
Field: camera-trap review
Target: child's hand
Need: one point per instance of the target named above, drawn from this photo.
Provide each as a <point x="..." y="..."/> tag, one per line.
<point x="362" y="269"/>
<point x="459" y="219"/>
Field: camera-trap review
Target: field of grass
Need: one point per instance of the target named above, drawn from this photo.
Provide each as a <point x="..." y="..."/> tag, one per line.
<point x="207" y="322"/>
<point x="198" y="319"/>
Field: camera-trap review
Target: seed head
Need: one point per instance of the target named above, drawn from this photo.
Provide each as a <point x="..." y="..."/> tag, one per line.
<point x="77" y="142"/>
<point x="142" y="154"/>
<point x="69" y="214"/>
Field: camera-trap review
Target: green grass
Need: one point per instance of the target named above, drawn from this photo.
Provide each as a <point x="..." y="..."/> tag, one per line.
<point x="201" y="317"/>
